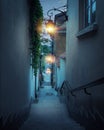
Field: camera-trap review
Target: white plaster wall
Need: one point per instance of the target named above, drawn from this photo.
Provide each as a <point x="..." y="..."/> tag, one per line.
<point x="32" y="82"/>
<point x="61" y="73"/>
<point x="58" y="77"/>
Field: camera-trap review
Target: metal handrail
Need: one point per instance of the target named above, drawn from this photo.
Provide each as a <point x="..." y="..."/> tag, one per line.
<point x="83" y="87"/>
<point x="91" y="84"/>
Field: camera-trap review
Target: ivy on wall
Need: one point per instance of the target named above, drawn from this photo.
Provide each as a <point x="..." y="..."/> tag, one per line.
<point x="36" y="18"/>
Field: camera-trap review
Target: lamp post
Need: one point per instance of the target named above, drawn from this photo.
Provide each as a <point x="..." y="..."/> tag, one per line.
<point x="50" y="27"/>
<point x="48" y="71"/>
<point x="50" y="12"/>
<point x="50" y="59"/>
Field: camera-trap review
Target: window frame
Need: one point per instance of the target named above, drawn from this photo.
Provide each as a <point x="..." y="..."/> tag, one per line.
<point x="83" y="28"/>
<point x="88" y="6"/>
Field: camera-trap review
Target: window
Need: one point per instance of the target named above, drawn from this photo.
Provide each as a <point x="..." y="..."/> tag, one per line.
<point x="90" y="12"/>
<point x="87" y="13"/>
<point x="87" y="17"/>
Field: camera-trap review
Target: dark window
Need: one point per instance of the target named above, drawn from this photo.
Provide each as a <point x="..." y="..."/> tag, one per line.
<point x="90" y="12"/>
<point x="87" y="13"/>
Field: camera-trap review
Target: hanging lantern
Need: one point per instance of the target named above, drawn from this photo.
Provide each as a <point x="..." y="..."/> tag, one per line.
<point x="50" y="59"/>
<point x="48" y="71"/>
<point x="50" y="27"/>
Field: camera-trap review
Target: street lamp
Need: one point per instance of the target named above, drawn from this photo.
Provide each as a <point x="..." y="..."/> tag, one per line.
<point x="50" y="12"/>
<point x="51" y="29"/>
<point x="50" y="59"/>
<point x="48" y="71"/>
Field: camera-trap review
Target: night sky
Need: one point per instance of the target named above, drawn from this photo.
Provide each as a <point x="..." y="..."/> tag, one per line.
<point x="49" y="4"/>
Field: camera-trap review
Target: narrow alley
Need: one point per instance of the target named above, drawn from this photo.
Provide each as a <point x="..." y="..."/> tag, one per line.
<point x="51" y="64"/>
<point x="49" y="113"/>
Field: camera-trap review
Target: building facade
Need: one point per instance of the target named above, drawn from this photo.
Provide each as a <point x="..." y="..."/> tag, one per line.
<point x="60" y="48"/>
<point x="84" y="61"/>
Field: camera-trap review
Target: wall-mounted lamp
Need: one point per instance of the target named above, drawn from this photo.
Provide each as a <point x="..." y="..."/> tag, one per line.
<point x="50" y="59"/>
<point x="50" y="13"/>
<point x="48" y="71"/>
<point x="50" y="25"/>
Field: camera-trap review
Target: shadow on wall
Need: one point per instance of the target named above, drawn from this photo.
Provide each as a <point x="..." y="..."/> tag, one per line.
<point x="86" y="109"/>
<point x="14" y="122"/>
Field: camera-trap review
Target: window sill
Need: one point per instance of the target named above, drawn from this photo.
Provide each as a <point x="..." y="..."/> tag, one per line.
<point x="87" y="30"/>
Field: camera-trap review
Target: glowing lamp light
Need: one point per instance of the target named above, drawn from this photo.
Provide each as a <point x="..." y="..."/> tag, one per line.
<point x="48" y="71"/>
<point x="50" y="59"/>
<point x="50" y="27"/>
<point x="50" y="30"/>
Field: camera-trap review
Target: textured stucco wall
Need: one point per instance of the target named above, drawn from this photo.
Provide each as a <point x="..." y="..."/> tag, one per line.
<point x="84" y="56"/>
<point x="60" y="73"/>
<point x="15" y="68"/>
<point x="60" y="43"/>
<point x="84" y="63"/>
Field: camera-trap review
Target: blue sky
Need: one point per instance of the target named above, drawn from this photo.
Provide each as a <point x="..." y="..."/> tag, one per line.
<point x="49" y="4"/>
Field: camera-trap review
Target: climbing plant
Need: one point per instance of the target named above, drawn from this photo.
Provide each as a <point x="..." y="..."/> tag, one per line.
<point x="36" y="17"/>
<point x="46" y="49"/>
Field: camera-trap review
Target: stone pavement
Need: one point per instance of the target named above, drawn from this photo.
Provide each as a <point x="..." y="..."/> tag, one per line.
<point x="49" y="113"/>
